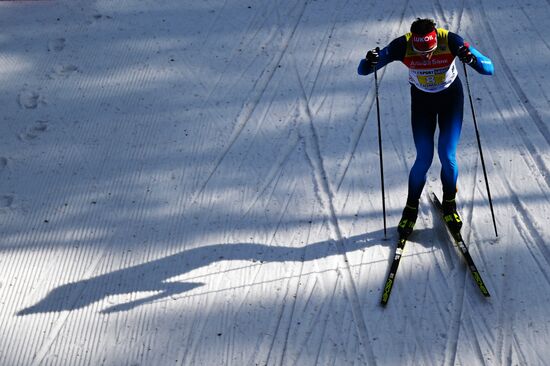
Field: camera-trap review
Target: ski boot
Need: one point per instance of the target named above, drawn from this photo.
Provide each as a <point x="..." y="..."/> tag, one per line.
<point x="450" y="215"/>
<point x="408" y="219"/>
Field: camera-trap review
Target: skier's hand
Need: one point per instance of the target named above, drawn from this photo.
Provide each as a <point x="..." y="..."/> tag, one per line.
<point x="373" y="56"/>
<point x="466" y="56"/>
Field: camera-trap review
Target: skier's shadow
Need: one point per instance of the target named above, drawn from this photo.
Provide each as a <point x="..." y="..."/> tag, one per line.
<point x="152" y="276"/>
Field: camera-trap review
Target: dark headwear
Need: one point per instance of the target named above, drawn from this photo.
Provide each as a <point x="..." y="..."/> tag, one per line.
<point x="424" y="35"/>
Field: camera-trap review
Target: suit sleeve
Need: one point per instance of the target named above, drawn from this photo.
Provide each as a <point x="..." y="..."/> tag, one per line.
<point x="483" y="64"/>
<point x="395" y="51"/>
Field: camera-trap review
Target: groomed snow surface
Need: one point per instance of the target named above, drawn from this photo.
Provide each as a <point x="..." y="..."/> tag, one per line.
<point x="197" y="183"/>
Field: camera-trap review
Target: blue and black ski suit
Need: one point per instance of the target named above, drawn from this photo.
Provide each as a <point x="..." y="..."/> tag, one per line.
<point x="436" y="99"/>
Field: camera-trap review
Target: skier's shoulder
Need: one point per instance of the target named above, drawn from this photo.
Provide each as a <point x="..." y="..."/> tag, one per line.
<point x="399" y="42"/>
<point x="455" y="41"/>
<point x="396" y="49"/>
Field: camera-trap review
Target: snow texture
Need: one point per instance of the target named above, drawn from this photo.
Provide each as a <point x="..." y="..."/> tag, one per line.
<point x="197" y="183"/>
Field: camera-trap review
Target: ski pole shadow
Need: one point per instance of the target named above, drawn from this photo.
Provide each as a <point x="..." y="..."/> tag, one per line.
<point x="153" y="276"/>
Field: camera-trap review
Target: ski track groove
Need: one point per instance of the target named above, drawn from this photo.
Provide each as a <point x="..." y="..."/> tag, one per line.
<point x="206" y="104"/>
<point x="442" y="243"/>
<point x="461" y="15"/>
<point x="137" y="214"/>
<point x="292" y="314"/>
<point x="519" y="352"/>
<point x="303" y="345"/>
<point x="450" y="22"/>
<point x="534" y="26"/>
<point x="471" y="239"/>
<point x="194" y="343"/>
<point x="209" y="292"/>
<point x="215" y="22"/>
<point x="541" y="359"/>
<point x="276" y="168"/>
<point x="277" y="327"/>
<point x="528" y="222"/>
<point x="327" y="37"/>
<point x="474" y="188"/>
<point x="332" y="291"/>
<point x="247" y="292"/>
<point x="320" y="50"/>
<point x="78" y="235"/>
<point x="502" y="344"/>
<point x="476" y="344"/>
<point x="294" y="297"/>
<point x="529" y="235"/>
<point x="541" y="170"/>
<point x="453" y="339"/>
<point x="253" y="282"/>
<point x="183" y="352"/>
<point x="424" y="354"/>
<point x="370" y="100"/>
<point x="323" y="290"/>
<point x="440" y="13"/>
<point x="261" y="84"/>
<point x="419" y="349"/>
<point x="283" y="213"/>
<point x="324" y="192"/>
<point x="440" y="275"/>
<point x="57" y="326"/>
<point x="326" y="319"/>
<point x="244" y="73"/>
<point x="522" y="97"/>
<point x="537" y="171"/>
<point x="356" y="136"/>
<point x="37" y="236"/>
<point x="435" y="293"/>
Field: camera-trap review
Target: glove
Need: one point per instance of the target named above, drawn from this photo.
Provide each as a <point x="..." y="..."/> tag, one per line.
<point x="466" y="56"/>
<point x="373" y="56"/>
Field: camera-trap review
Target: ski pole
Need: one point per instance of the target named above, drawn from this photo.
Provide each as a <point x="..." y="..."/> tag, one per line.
<point x="480" y="150"/>
<point x="380" y="149"/>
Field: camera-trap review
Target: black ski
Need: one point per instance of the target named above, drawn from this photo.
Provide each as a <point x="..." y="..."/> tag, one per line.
<point x="462" y="247"/>
<point x="393" y="270"/>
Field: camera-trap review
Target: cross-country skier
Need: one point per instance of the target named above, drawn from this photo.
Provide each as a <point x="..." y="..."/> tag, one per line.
<point x="436" y="99"/>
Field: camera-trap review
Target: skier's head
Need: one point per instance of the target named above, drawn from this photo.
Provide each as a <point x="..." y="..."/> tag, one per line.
<point x="424" y="35"/>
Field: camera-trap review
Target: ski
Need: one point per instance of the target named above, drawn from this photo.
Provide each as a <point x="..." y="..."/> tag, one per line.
<point x="459" y="241"/>
<point x="393" y="270"/>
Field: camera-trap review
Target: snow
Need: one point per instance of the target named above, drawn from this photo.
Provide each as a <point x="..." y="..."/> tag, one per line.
<point x="197" y="183"/>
